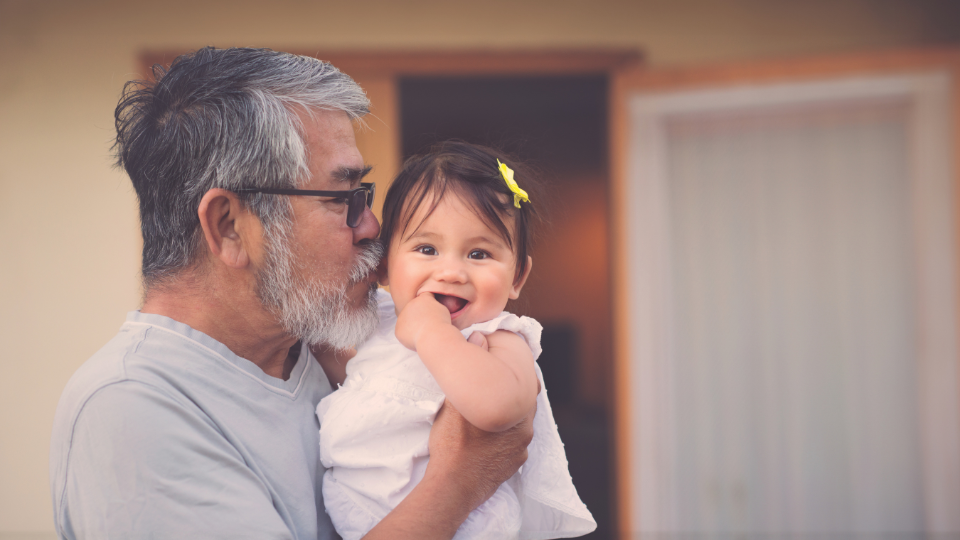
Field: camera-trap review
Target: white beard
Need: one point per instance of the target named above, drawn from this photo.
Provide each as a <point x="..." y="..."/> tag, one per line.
<point x="315" y="312"/>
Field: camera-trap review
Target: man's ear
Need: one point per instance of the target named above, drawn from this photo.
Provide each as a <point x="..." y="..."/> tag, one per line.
<point x="518" y="284"/>
<point x="228" y="227"/>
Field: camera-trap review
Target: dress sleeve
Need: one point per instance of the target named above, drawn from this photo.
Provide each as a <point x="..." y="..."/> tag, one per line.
<point x="527" y="328"/>
<point x="142" y="463"/>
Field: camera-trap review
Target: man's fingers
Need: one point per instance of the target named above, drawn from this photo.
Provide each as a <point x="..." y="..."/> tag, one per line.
<point x="527" y="427"/>
<point x="479" y="340"/>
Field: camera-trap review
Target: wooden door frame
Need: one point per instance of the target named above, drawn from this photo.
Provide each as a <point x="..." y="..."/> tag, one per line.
<point x="378" y="73"/>
<point x="637" y="79"/>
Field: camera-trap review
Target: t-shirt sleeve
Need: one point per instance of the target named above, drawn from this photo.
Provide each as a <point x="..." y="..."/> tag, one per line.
<point x="143" y="464"/>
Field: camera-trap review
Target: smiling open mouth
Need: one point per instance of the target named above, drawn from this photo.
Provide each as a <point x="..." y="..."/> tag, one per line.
<point x="452" y="303"/>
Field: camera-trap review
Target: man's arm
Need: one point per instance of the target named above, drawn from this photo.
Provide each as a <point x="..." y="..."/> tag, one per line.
<point x="466" y="467"/>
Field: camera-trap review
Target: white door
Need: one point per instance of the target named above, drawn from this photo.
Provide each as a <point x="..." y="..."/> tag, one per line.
<point x="791" y="261"/>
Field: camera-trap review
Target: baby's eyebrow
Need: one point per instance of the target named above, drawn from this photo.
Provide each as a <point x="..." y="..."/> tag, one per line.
<point x="484" y="240"/>
<point x="423" y="235"/>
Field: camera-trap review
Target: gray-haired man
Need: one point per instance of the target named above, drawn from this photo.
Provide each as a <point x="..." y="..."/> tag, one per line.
<point x="197" y="419"/>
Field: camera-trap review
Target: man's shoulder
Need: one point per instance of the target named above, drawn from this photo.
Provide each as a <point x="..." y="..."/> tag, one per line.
<point x="134" y="355"/>
<point x="127" y="378"/>
<point x="167" y="418"/>
<point x="106" y="367"/>
<point x="128" y="438"/>
<point x="107" y="371"/>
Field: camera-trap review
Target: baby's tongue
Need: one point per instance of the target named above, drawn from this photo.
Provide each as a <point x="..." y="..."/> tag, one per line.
<point x="452" y="303"/>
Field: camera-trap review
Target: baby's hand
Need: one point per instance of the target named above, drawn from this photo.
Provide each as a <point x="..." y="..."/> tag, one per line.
<point x="418" y="315"/>
<point x="479" y="340"/>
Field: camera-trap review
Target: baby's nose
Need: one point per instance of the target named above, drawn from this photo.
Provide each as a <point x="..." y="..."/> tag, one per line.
<point x="452" y="272"/>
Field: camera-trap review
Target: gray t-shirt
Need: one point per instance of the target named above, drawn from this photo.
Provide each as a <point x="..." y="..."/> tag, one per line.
<point x="165" y="433"/>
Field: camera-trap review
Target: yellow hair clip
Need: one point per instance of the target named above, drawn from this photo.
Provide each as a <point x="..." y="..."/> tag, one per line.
<point x="518" y="194"/>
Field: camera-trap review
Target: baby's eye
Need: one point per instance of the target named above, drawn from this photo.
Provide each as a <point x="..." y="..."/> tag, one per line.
<point x="426" y="250"/>
<point x="478" y="254"/>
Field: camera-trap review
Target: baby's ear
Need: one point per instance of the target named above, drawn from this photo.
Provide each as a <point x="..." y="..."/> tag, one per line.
<point x="518" y="284"/>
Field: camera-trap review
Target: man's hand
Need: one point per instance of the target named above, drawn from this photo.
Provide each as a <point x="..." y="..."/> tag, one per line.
<point x="479" y="340"/>
<point x="466" y="466"/>
<point x="418" y="316"/>
<point x="475" y="460"/>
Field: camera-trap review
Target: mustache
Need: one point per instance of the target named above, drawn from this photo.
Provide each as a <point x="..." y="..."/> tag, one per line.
<point x="371" y="253"/>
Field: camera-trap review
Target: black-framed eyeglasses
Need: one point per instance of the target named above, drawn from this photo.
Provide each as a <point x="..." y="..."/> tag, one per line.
<point x="357" y="198"/>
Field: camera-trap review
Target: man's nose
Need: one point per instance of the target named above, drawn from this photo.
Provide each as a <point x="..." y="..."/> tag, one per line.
<point x="368" y="228"/>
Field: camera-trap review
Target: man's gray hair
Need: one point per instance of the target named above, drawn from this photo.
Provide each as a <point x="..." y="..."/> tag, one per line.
<point x="220" y="118"/>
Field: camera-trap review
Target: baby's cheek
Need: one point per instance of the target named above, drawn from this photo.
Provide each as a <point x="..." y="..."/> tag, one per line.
<point x="398" y="305"/>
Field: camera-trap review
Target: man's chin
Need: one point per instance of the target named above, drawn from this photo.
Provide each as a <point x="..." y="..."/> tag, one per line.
<point x="359" y="297"/>
<point x="356" y="320"/>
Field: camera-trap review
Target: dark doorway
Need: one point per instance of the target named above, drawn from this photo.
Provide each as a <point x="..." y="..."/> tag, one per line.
<point x="558" y="125"/>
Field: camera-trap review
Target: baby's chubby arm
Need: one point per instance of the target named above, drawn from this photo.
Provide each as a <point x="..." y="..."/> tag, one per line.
<point x="493" y="389"/>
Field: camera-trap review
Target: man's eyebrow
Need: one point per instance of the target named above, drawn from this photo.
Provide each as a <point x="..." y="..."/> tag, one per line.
<point x="351" y="175"/>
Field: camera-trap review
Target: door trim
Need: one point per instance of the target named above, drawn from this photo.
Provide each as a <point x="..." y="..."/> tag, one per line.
<point x="639" y="81"/>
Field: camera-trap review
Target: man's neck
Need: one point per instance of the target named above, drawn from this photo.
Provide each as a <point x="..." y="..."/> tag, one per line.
<point x="214" y="305"/>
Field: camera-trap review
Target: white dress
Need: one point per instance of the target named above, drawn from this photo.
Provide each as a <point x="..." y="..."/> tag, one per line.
<point x="373" y="441"/>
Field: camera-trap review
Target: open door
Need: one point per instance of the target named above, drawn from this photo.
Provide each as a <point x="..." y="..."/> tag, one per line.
<point x="786" y="323"/>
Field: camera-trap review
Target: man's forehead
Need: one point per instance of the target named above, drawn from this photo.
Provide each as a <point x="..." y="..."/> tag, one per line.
<point x="332" y="154"/>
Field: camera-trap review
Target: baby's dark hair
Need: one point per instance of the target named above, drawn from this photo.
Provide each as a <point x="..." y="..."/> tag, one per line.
<point x="471" y="171"/>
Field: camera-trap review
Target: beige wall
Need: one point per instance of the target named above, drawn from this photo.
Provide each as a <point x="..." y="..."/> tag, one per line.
<point x="68" y="248"/>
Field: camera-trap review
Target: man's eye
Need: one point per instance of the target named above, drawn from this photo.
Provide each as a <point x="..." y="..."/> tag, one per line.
<point x="478" y="254"/>
<point x="426" y="250"/>
<point x="339" y="200"/>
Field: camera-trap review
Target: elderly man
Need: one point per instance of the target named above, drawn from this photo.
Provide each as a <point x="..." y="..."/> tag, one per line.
<point x="197" y="419"/>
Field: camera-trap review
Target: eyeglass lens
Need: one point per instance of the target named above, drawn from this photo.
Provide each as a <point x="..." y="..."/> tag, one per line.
<point x="360" y="199"/>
